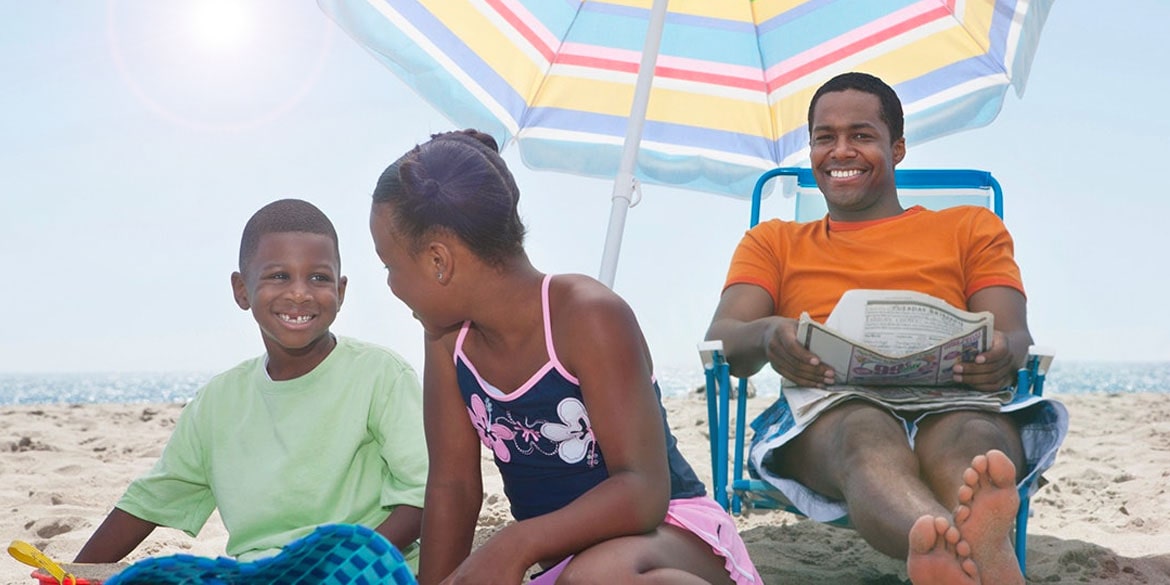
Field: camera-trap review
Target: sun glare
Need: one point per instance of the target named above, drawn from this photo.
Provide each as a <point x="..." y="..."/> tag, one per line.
<point x="218" y="65"/>
<point x="219" y="24"/>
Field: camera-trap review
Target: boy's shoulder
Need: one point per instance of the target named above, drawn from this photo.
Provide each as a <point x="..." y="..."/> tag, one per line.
<point x="351" y="348"/>
<point x="363" y="367"/>
<point x="350" y="357"/>
<point x="236" y="374"/>
<point x="229" y="381"/>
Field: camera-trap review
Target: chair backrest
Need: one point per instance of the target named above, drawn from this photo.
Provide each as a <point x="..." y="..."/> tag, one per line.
<point x="931" y="188"/>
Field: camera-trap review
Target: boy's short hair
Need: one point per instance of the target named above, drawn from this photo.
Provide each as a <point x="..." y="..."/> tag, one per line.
<point x="282" y="216"/>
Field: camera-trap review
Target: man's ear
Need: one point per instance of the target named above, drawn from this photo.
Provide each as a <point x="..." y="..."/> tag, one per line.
<point x="341" y="282"/>
<point x="899" y="150"/>
<point x="240" y="291"/>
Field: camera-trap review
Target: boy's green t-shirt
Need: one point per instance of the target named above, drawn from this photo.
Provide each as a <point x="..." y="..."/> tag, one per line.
<point x="341" y="444"/>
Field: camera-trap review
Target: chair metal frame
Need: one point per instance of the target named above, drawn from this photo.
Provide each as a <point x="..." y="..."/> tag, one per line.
<point x="740" y="494"/>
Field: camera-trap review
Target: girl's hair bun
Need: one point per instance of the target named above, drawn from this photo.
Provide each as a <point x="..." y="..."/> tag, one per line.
<point x="430" y="188"/>
<point x="481" y="137"/>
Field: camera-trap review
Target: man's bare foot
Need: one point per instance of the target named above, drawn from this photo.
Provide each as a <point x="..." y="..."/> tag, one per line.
<point x="988" y="502"/>
<point x="938" y="555"/>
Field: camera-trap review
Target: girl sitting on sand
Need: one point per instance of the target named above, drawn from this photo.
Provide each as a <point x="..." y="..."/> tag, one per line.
<point x="556" y="378"/>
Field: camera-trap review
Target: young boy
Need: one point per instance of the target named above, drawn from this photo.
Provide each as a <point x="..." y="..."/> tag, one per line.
<point x="319" y="430"/>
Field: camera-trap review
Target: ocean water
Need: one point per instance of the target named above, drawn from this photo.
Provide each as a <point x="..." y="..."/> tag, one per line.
<point x="77" y="388"/>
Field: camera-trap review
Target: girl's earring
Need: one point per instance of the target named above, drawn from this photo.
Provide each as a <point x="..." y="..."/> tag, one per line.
<point x="439" y="276"/>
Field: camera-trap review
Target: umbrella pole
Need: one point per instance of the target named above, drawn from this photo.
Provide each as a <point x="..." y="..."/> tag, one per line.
<point x="623" y="184"/>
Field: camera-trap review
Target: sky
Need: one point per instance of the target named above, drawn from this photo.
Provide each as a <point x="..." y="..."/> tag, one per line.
<point x="137" y="137"/>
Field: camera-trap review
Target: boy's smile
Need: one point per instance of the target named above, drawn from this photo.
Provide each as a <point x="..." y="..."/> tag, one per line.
<point x="296" y="320"/>
<point x="293" y="287"/>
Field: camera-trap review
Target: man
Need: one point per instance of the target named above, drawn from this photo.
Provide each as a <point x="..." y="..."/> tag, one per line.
<point x="938" y="490"/>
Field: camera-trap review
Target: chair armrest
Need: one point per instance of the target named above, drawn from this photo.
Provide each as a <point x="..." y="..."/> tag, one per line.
<point x="1042" y="356"/>
<point x="709" y="352"/>
<point x="718" y="383"/>
<point x="1030" y="378"/>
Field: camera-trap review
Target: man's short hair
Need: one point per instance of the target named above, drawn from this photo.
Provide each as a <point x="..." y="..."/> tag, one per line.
<point x="891" y="110"/>
<point x="282" y="216"/>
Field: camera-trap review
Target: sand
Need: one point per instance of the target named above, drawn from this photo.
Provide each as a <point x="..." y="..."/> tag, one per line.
<point x="1104" y="517"/>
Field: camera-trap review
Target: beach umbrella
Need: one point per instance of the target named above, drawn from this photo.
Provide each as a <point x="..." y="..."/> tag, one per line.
<point x="700" y="94"/>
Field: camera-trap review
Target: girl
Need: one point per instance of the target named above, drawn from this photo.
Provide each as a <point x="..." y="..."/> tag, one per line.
<point x="556" y="379"/>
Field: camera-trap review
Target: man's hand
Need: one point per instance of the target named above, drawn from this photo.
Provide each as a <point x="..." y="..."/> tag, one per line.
<point x="991" y="370"/>
<point x="791" y="359"/>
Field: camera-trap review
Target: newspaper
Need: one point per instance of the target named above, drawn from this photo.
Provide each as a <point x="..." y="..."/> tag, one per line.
<point x="895" y="348"/>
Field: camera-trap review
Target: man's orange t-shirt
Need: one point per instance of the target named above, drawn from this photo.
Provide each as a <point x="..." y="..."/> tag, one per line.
<point x="950" y="254"/>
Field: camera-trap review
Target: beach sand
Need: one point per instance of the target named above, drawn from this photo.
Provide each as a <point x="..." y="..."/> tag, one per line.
<point x="1104" y="517"/>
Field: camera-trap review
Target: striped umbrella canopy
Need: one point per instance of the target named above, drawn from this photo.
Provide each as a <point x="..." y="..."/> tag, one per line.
<point x="699" y="94"/>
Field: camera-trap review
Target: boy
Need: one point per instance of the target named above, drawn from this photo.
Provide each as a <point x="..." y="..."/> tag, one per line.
<point x="318" y="430"/>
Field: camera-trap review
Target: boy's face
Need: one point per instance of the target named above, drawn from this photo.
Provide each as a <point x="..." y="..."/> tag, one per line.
<point x="853" y="157"/>
<point x="293" y="287"/>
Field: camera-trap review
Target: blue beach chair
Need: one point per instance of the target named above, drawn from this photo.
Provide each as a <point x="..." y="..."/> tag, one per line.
<point x="931" y="188"/>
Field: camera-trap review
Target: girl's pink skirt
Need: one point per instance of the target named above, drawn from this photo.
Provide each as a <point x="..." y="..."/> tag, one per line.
<point x="704" y="518"/>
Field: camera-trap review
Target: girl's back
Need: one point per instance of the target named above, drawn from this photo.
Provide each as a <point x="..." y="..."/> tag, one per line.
<point x="540" y="431"/>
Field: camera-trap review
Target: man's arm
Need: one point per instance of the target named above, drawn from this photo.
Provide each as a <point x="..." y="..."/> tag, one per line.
<point x="118" y="534"/>
<point x="753" y="336"/>
<point x="996" y="368"/>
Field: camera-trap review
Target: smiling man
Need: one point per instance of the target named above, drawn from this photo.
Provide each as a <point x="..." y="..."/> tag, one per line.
<point x="854" y="148"/>
<point x="937" y="489"/>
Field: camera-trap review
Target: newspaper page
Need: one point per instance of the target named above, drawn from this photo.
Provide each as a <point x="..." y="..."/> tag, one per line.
<point x="894" y="348"/>
<point x="895" y="338"/>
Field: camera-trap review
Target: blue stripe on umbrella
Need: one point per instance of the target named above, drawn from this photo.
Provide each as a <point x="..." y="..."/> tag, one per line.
<point x="466" y="59"/>
<point x="557" y="17"/>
